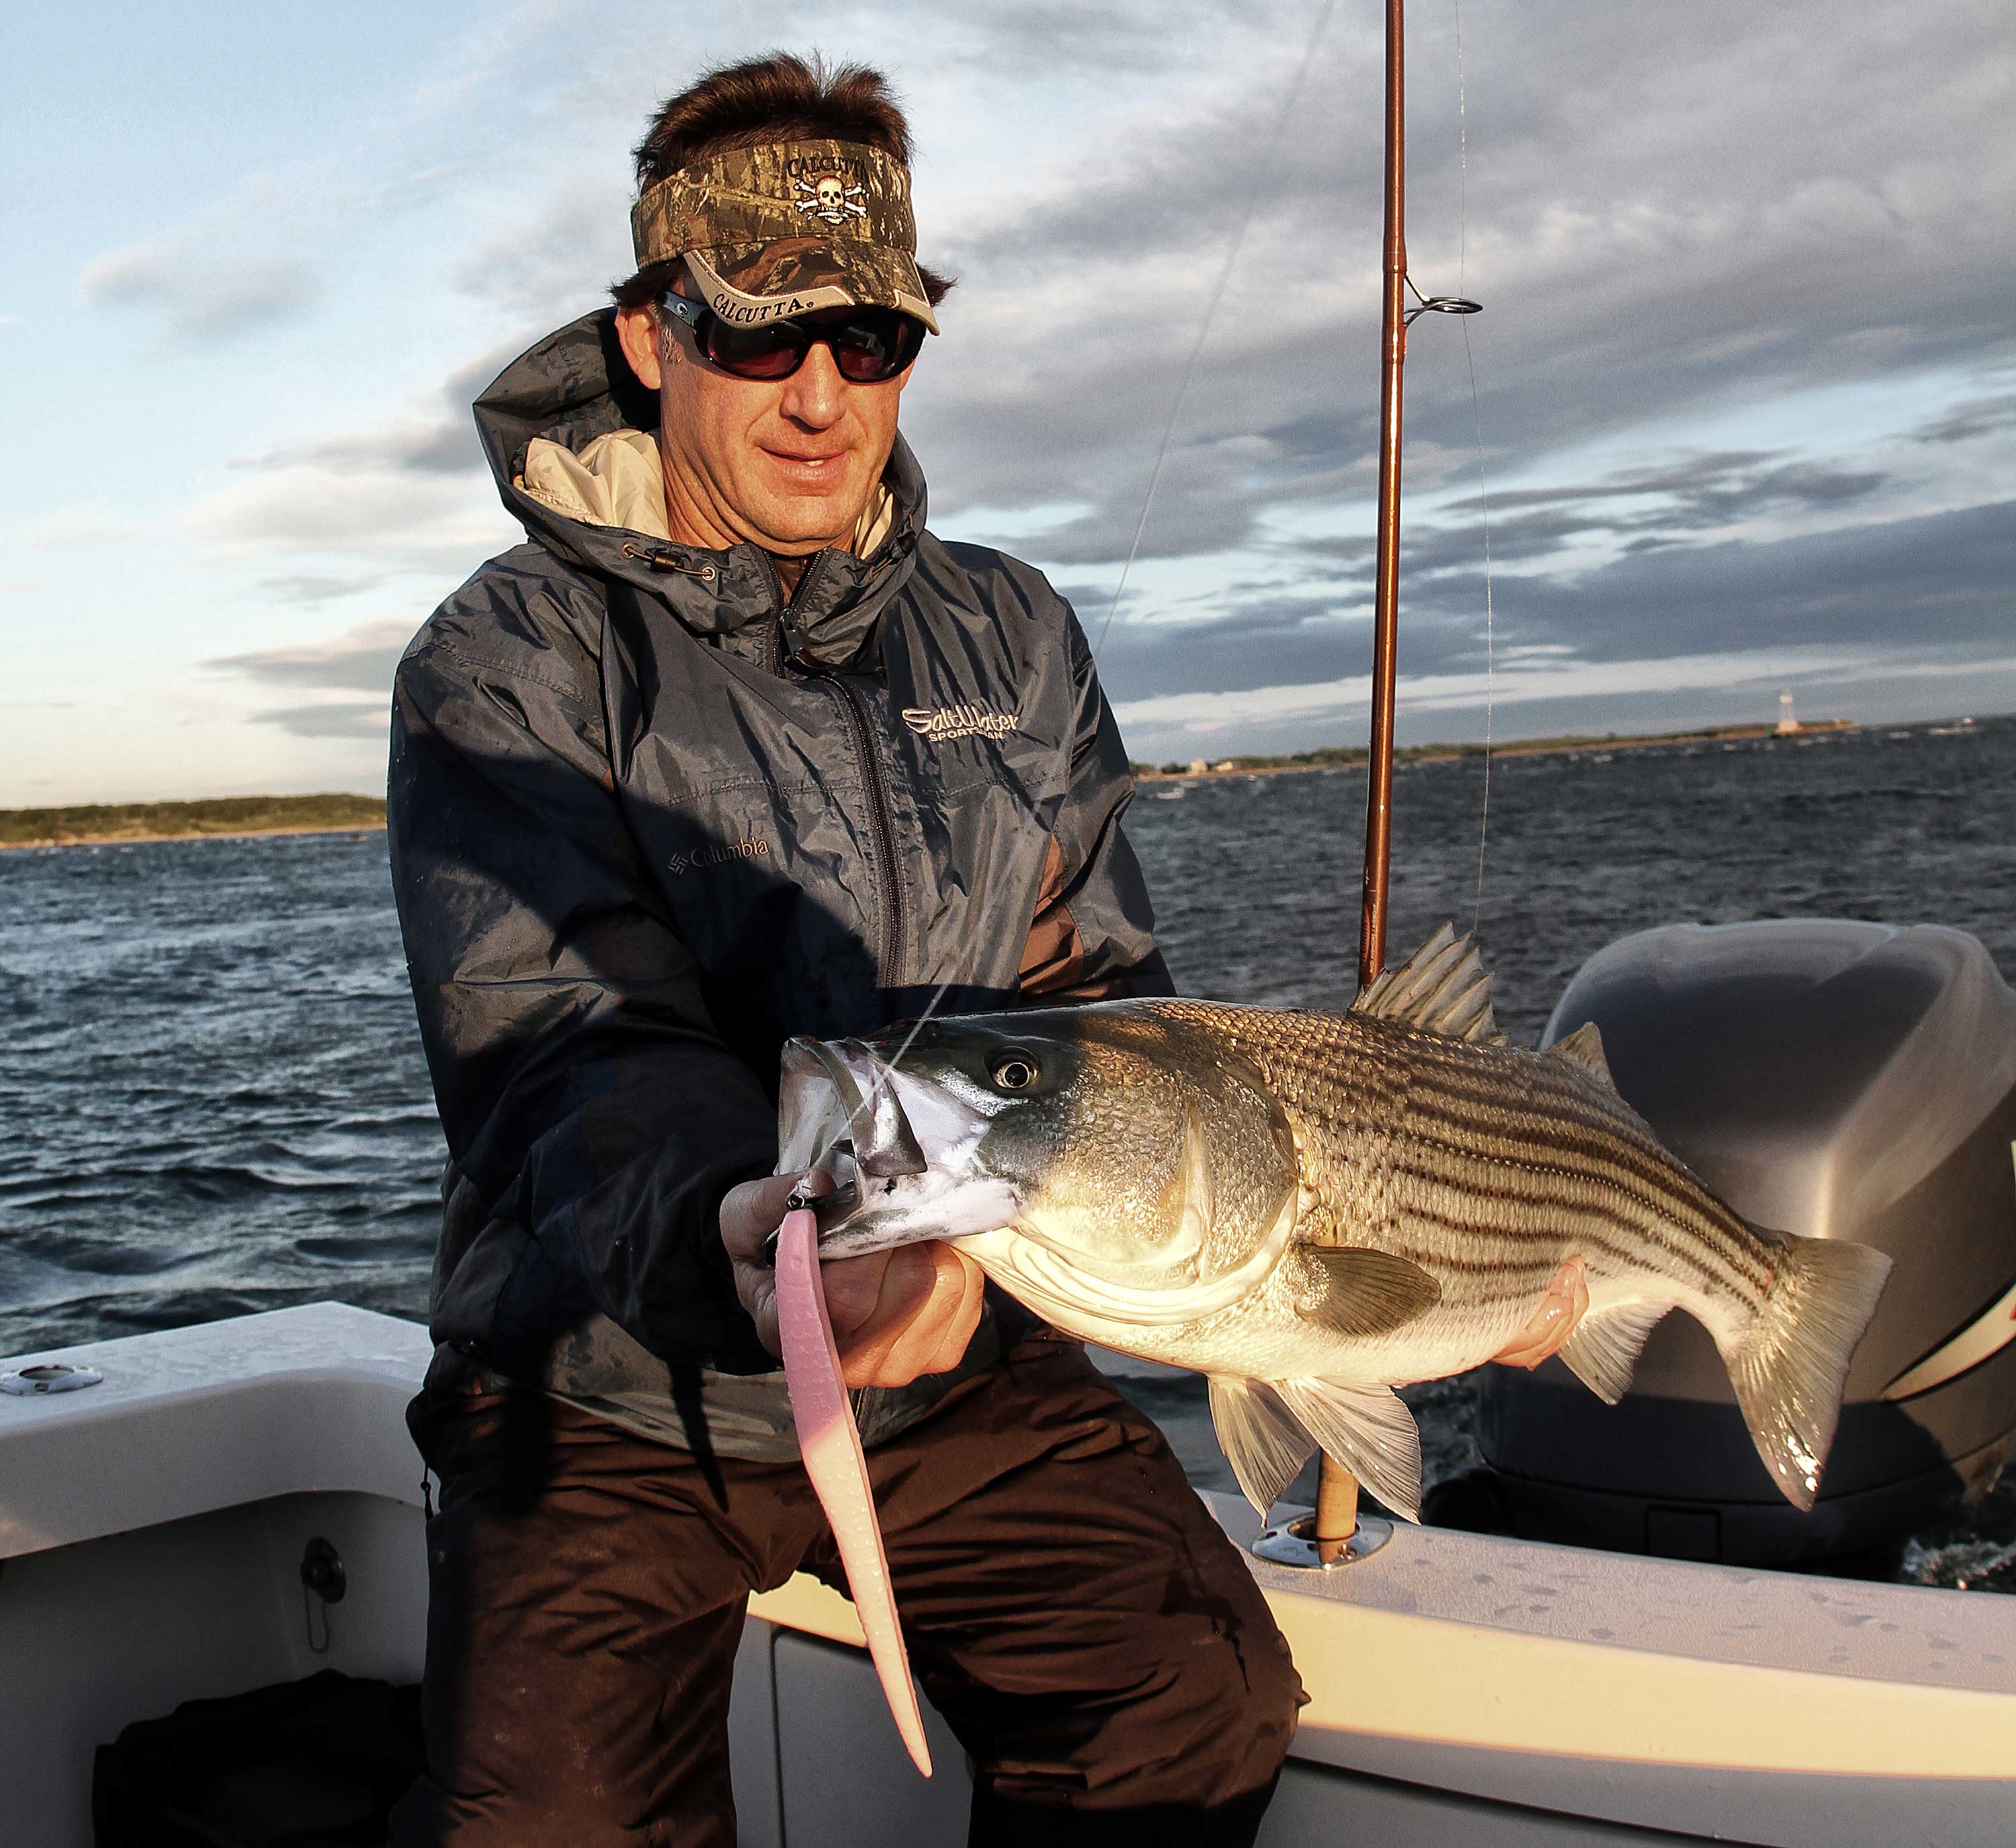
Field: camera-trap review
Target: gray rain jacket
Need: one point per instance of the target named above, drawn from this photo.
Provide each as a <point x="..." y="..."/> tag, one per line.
<point x="647" y="820"/>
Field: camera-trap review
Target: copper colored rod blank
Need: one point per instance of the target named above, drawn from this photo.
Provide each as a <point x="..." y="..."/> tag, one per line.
<point x="1337" y="1495"/>
<point x="1386" y="593"/>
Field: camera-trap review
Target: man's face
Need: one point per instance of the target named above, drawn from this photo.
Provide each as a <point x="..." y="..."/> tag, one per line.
<point x="786" y="463"/>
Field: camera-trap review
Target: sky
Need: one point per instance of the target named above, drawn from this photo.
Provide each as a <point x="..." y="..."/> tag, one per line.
<point x="1739" y="418"/>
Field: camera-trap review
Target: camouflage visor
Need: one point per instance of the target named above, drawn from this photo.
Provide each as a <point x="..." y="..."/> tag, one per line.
<point x="787" y="229"/>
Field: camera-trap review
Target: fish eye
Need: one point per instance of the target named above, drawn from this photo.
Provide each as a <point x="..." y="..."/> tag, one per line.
<point x="1013" y="1070"/>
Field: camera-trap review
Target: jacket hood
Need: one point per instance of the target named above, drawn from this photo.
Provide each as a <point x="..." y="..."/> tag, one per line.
<point x="575" y="386"/>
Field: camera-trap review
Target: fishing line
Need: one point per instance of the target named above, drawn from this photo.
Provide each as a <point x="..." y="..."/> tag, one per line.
<point x="1263" y="169"/>
<point x="1483" y="495"/>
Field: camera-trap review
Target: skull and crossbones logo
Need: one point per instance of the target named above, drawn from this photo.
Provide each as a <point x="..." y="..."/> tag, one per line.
<point x="829" y="198"/>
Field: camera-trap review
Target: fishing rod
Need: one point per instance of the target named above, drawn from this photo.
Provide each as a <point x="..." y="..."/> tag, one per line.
<point x="1336" y="1521"/>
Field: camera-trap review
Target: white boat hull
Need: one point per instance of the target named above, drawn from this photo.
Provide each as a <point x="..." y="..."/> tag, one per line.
<point x="1463" y="1688"/>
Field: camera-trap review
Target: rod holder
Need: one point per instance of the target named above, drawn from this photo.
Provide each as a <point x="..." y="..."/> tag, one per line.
<point x="1294" y="1544"/>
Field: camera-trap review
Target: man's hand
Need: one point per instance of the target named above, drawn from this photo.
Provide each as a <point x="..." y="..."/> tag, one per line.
<point x="1560" y="1311"/>
<point x="896" y="1315"/>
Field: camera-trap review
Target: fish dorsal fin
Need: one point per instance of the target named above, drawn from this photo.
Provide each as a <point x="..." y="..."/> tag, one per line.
<point x="1368" y="1430"/>
<point x="1585" y="1047"/>
<point x="1603" y="1352"/>
<point x="1364" y="1293"/>
<point x="1260" y="1437"/>
<point x="1442" y="988"/>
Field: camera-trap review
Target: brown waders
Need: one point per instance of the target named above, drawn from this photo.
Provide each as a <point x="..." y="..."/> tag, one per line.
<point x="1071" y="1608"/>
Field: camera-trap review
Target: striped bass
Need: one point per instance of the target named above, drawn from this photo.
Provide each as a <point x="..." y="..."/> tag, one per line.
<point x="1313" y="1208"/>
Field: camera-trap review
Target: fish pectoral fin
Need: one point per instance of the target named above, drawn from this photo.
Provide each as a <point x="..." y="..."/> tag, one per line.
<point x="1365" y="1292"/>
<point x="1604" y="1350"/>
<point x="1260" y="1437"/>
<point x="1368" y="1430"/>
<point x="1585" y="1047"/>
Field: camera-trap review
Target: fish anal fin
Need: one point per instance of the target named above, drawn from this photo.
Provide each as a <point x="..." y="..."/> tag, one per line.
<point x="1442" y="988"/>
<point x="1585" y="1047"/>
<point x="1260" y="1437"/>
<point x="1363" y="1292"/>
<point x="1368" y="1430"/>
<point x="1603" y="1352"/>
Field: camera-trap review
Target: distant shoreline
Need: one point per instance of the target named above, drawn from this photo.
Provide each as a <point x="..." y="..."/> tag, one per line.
<point x="225" y="818"/>
<point x="320" y="827"/>
<point x="1354" y="759"/>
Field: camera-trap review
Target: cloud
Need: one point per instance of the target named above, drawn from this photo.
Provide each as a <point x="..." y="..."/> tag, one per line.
<point x="323" y="511"/>
<point x="348" y="678"/>
<point x="1620" y="198"/>
<point x="361" y="659"/>
<point x="203" y="294"/>
<point x="445" y="446"/>
<point x="1930" y="586"/>
<point x="551" y="256"/>
<point x="441" y="440"/>
<point x="308" y="588"/>
<point x="365" y="723"/>
<point x="1978" y="416"/>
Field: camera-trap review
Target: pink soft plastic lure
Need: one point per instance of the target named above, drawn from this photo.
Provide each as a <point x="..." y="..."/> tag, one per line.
<point x="831" y="1447"/>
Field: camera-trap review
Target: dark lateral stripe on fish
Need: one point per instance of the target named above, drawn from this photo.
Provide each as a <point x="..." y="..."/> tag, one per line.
<point x="1612" y="1160"/>
<point x="1594" y="1230"/>
<point x="1717" y="1259"/>
<point x="1590" y="1239"/>
<point x="1564" y="1120"/>
<point x="1637" y="1241"/>
<point x="1529" y="1178"/>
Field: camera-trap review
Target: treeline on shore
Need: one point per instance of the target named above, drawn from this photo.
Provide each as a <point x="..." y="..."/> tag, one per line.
<point x="1339" y="756"/>
<point x="169" y="821"/>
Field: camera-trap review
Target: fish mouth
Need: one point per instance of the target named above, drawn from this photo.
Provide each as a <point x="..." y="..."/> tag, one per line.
<point x="822" y="1108"/>
<point x="899" y="1150"/>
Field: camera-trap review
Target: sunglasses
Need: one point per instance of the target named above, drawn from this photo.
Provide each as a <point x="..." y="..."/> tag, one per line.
<point x="869" y="346"/>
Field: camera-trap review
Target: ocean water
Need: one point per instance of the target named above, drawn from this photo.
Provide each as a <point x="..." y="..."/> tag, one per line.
<point x="212" y="1099"/>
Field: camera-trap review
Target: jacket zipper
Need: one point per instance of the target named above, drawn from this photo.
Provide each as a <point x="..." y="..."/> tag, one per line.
<point x="889" y="949"/>
<point x="882" y="834"/>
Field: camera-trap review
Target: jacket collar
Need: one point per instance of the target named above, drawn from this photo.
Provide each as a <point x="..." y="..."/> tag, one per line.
<point x="574" y="385"/>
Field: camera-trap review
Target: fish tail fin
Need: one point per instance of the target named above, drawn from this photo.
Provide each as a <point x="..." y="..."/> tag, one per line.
<point x="1790" y="1366"/>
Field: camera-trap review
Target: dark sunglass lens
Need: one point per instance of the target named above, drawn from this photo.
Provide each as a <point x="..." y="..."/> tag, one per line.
<point x="876" y="345"/>
<point x="768" y="352"/>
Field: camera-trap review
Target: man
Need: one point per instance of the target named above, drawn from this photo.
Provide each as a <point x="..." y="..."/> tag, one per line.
<point x="734" y="749"/>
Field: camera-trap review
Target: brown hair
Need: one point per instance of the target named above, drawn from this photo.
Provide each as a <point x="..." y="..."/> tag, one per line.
<point x="781" y="97"/>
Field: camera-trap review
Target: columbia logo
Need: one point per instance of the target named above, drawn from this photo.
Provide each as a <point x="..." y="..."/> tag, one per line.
<point x="961" y="721"/>
<point x="751" y="849"/>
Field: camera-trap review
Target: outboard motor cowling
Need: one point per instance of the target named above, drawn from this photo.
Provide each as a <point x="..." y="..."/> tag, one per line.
<point x="1839" y="1079"/>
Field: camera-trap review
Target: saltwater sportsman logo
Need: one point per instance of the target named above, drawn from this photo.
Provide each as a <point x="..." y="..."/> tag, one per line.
<point x="944" y="723"/>
<point x="719" y="856"/>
